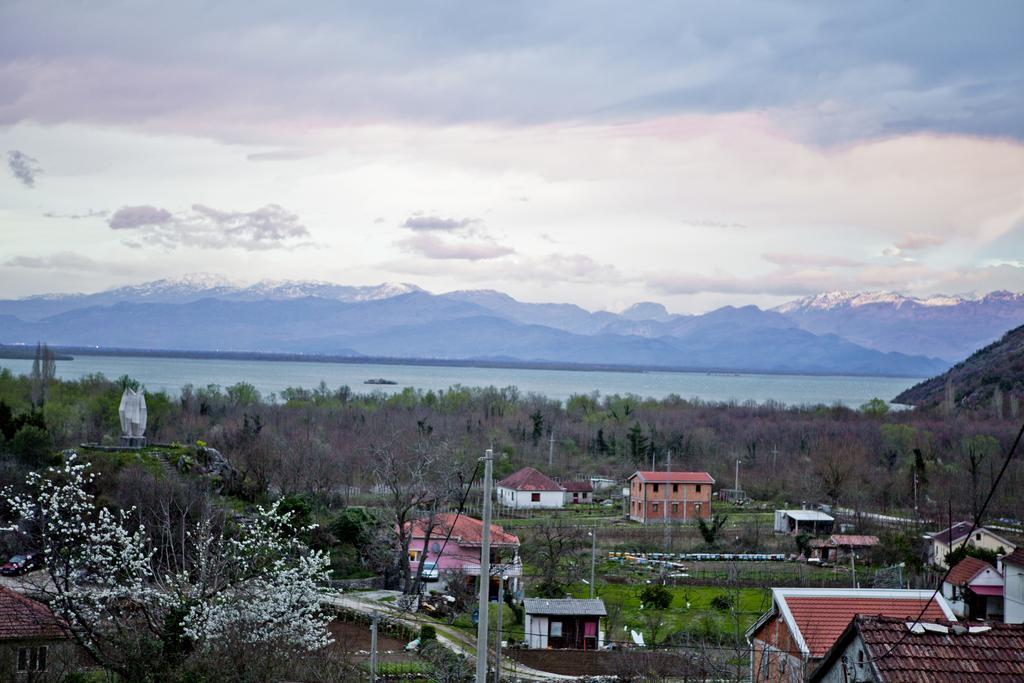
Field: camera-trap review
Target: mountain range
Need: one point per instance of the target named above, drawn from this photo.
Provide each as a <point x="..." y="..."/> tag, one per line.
<point x="846" y="333"/>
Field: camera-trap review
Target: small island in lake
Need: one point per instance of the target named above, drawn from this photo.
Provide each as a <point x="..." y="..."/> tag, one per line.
<point x="380" y="380"/>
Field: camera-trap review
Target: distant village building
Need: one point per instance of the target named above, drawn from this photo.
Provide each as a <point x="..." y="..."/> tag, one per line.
<point x="884" y="649"/>
<point x="803" y="521"/>
<point x="565" y="623"/>
<point x="659" y="497"/>
<point x="791" y="638"/>
<point x="1013" y="587"/>
<point x="942" y="542"/>
<point x="974" y="589"/>
<point x="578" y="492"/>
<point x="602" y="483"/>
<point x="839" y="547"/>
<point x="34" y="644"/>
<point x="462" y="550"/>
<point x="529" y="488"/>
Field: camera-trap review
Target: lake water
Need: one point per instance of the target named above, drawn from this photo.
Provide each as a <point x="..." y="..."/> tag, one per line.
<point x="171" y="374"/>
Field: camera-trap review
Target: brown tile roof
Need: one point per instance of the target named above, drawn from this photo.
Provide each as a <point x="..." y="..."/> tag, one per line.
<point x="821" y="620"/>
<point x="675" y="477"/>
<point x="22" y="618"/>
<point x="465" y="530"/>
<point x="529" y="479"/>
<point x="965" y="570"/>
<point x="991" y="656"/>
<point x="853" y="541"/>
<point x="577" y="486"/>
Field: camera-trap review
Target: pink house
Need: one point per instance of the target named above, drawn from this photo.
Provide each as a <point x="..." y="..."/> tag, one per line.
<point x="462" y="551"/>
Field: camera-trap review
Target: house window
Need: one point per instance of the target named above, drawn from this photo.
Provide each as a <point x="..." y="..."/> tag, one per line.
<point x="414" y="555"/>
<point x="655" y="507"/>
<point x="698" y="488"/>
<point x="654" y="488"/>
<point x="535" y="497"/>
<point x="860" y="659"/>
<point x="977" y="537"/>
<point x="556" y="629"/>
<point x="675" y="508"/>
<point x="675" y="488"/>
<point x="32" y="658"/>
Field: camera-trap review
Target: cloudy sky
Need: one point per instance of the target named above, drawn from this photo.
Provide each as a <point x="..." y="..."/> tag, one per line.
<point x="603" y="153"/>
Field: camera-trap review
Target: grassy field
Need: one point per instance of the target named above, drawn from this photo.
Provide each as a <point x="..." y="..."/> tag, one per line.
<point x="690" y="613"/>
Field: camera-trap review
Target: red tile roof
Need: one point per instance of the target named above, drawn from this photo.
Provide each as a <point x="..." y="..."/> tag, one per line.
<point x="821" y="620"/>
<point x="675" y="477"/>
<point x="529" y="479"/>
<point x="577" y="486"/>
<point x="22" y="618"/>
<point x="992" y="656"/>
<point x="965" y="570"/>
<point x="464" y="530"/>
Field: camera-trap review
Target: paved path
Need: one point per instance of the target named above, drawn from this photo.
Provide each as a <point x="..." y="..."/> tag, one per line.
<point x="452" y="638"/>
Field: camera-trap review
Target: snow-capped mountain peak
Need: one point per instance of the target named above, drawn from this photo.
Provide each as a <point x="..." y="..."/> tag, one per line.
<point x="844" y="299"/>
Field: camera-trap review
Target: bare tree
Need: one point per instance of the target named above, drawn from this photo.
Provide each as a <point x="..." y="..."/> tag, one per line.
<point x="414" y="479"/>
<point x="556" y="552"/>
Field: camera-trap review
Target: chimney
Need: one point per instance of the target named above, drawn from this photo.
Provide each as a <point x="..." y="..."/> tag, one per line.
<point x="999" y="564"/>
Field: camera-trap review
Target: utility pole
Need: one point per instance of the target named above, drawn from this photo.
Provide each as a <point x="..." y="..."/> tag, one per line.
<point x="551" y="450"/>
<point x="593" y="558"/>
<point x="775" y="455"/>
<point x="485" y="572"/>
<point x="916" y="515"/>
<point x="737" y="477"/>
<point x="501" y="614"/>
<point x="853" y="569"/>
<point x="373" y="647"/>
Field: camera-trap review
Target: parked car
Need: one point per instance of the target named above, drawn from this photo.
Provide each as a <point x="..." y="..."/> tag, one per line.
<point x="431" y="571"/>
<point x="21" y="564"/>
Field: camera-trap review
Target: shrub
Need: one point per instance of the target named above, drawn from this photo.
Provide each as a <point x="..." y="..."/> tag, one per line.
<point x="722" y="602"/>
<point x="656" y="597"/>
<point x="33" y="446"/>
<point x="427" y="633"/>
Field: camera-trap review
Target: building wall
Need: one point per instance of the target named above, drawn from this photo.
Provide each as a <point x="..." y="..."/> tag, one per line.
<point x="536" y="628"/>
<point x="521" y="500"/>
<point x="775" y="655"/>
<point x="652" y="503"/>
<point x="856" y="670"/>
<point x="62" y="659"/>
<point x="581" y="497"/>
<point x="1013" y="592"/>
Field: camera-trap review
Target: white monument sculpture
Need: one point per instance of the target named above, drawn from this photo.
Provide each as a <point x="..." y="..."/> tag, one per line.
<point x="133" y="418"/>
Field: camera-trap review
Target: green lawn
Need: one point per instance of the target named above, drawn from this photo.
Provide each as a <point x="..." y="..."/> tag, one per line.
<point x="690" y="612"/>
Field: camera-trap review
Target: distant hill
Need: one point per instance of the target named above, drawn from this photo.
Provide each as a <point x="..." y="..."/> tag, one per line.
<point x="974" y="381"/>
<point x="947" y="327"/>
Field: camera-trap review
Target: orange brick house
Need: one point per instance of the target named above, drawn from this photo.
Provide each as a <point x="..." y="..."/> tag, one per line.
<point x="659" y="497"/>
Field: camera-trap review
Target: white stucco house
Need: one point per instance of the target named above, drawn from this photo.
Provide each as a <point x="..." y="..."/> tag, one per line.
<point x="940" y="543"/>
<point x="974" y="589"/>
<point x="529" y="488"/>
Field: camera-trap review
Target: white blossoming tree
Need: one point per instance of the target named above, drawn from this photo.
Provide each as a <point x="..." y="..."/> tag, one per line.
<point x="142" y="601"/>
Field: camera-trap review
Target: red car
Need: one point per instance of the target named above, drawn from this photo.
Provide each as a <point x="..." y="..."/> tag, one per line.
<point x="21" y="564"/>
